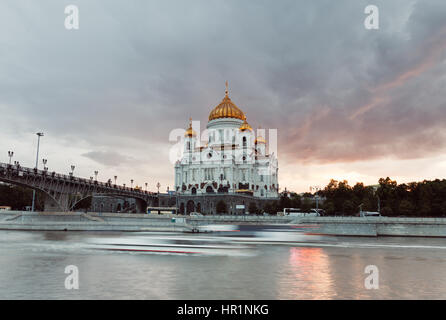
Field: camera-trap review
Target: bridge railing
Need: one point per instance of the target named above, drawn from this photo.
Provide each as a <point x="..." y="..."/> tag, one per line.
<point x="20" y="171"/>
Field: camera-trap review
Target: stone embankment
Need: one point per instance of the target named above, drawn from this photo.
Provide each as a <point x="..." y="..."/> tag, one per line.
<point x="340" y="226"/>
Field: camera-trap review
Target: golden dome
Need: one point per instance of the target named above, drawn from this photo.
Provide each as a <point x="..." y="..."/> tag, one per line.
<point x="226" y="109"/>
<point x="260" y="139"/>
<point x="245" y="126"/>
<point x="190" y="132"/>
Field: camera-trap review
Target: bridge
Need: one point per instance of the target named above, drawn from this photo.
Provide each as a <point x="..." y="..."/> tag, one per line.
<point x="63" y="192"/>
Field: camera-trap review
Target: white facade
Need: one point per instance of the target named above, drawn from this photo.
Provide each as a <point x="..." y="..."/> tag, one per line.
<point x="233" y="161"/>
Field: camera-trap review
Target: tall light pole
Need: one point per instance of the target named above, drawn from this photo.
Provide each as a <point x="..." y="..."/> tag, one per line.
<point x="96" y="175"/>
<point x="72" y="170"/>
<point x="158" y="185"/>
<point x="39" y="134"/>
<point x="10" y="155"/>
<point x="316" y="189"/>
<point x="116" y="177"/>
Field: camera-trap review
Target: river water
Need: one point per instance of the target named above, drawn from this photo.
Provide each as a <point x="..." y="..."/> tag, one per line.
<point x="32" y="266"/>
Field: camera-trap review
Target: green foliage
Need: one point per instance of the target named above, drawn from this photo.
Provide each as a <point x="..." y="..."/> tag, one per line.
<point x="329" y="208"/>
<point x="348" y="207"/>
<point x="426" y="198"/>
<point x="406" y="208"/>
<point x="306" y="205"/>
<point x="387" y="211"/>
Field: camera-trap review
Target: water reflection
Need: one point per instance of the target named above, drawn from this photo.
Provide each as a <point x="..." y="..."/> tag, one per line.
<point x="309" y="268"/>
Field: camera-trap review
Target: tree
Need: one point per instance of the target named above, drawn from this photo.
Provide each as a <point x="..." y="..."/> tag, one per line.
<point x="387" y="193"/>
<point x="387" y="211"/>
<point x="348" y="207"/>
<point x="221" y="207"/>
<point x="296" y="200"/>
<point x="406" y="208"/>
<point x="329" y="208"/>
<point x="306" y="205"/>
<point x="268" y="208"/>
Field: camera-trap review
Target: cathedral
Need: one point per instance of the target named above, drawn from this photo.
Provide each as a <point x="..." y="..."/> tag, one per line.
<point x="232" y="172"/>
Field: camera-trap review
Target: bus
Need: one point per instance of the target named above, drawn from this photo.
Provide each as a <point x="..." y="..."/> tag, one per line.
<point x="296" y="212"/>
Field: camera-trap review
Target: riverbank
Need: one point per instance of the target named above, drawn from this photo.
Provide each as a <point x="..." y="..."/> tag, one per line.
<point x="338" y="226"/>
<point x="76" y="221"/>
<point x="378" y="226"/>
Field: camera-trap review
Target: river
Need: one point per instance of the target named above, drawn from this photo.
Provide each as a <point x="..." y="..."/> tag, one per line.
<point x="218" y="266"/>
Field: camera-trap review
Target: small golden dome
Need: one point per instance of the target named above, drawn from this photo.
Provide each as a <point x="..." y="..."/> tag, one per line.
<point x="260" y="139"/>
<point x="245" y="126"/>
<point x="190" y="132"/>
<point x="226" y="109"/>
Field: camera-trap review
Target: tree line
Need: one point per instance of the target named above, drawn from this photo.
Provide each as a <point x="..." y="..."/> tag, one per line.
<point x="422" y="199"/>
<point x="417" y="199"/>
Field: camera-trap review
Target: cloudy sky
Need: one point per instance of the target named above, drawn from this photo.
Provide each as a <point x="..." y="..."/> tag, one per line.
<point x="348" y="103"/>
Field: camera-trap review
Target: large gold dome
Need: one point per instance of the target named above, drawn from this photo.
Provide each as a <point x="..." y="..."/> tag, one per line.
<point x="226" y="109"/>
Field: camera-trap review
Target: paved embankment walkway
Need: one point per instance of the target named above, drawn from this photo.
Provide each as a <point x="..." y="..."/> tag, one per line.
<point x="76" y="221"/>
<point x="342" y="226"/>
<point x="377" y="226"/>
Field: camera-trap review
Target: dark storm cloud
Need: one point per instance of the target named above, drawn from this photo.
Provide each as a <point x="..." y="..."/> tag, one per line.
<point x="134" y="71"/>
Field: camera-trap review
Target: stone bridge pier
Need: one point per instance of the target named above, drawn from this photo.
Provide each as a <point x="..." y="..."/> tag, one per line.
<point x="61" y="204"/>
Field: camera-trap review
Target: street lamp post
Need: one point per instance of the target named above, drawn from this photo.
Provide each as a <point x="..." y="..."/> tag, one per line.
<point x="39" y="134"/>
<point x="131" y="184"/>
<point x="10" y="155"/>
<point x="146" y="186"/>
<point x="158" y="185"/>
<point x="96" y="175"/>
<point x="44" y="161"/>
<point x="72" y="169"/>
<point x="316" y="189"/>
<point x="116" y="177"/>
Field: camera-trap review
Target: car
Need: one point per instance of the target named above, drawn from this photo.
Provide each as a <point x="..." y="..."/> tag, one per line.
<point x="195" y="214"/>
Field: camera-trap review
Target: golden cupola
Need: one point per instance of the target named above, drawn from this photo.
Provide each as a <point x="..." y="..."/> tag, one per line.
<point x="190" y="132"/>
<point x="245" y="126"/>
<point x="226" y="109"/>
<point x="260" y="140"/>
